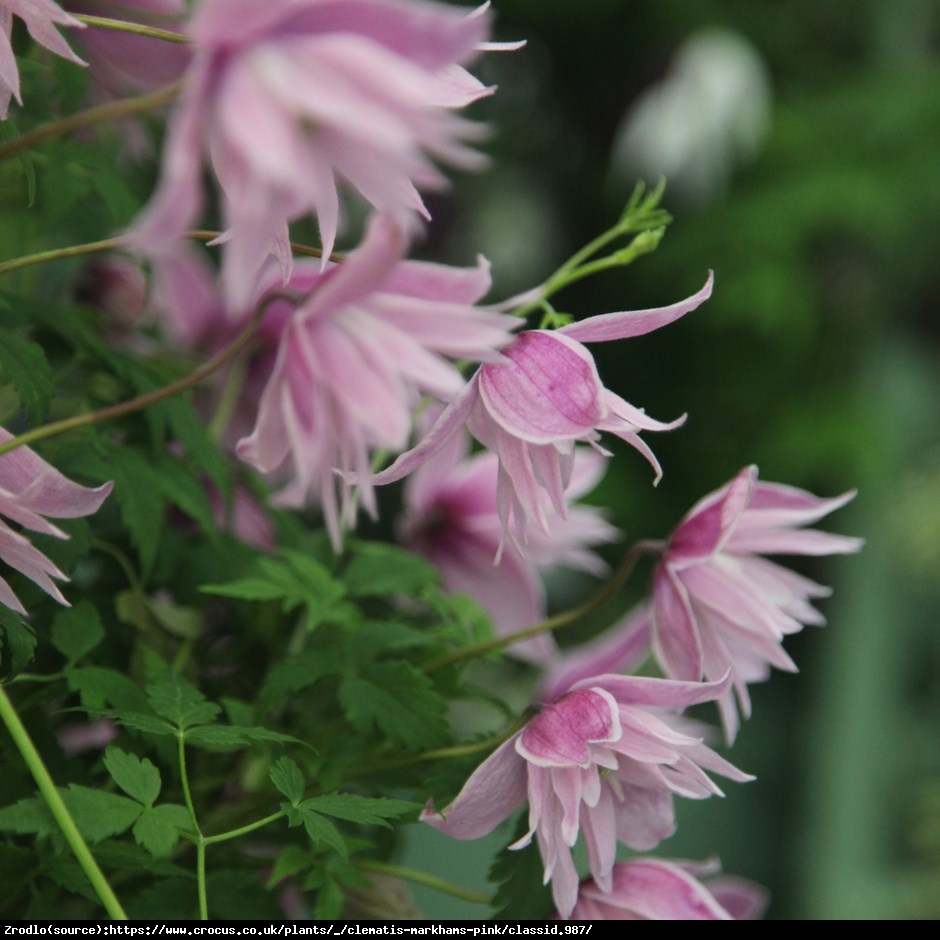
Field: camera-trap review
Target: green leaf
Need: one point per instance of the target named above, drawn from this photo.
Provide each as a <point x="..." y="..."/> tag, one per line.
<point x="20" y="640"/>
<point x="98" y="687"/>
<point x="298" y="673"/>
<point x="141" y="721"/>
<point x="322" y="830"/>
<point x="137" y="489"/>
<point x="330" y="901"/>
<point x="380" y="569"/>
<point x="201" y="450"/>
<point x="399" y="700"/>
<point x="361" y="809"/>
<point x="98" y="814"/>
<point x="183" y="622"/>
<point x="158" y="829"/>
<point x="233" y="737"/>
<point x="138" y="778"/>
<point x="173" y="698"/>
<point x="27" y="817"/>
<point x="286" y="776"/>
<point x="246" y="589"/>
<point x="290" y="861"/>
<point x="77" y="630"/>
<point x="24" y="365"/>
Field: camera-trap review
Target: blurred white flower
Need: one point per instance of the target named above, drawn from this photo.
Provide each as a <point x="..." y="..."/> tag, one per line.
<point x="709" y="114"/>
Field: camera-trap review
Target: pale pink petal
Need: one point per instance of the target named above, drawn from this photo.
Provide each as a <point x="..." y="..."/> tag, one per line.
<point x="611" y="326"/>
<point x="492" y="793"/>
<point x="560" y="733"/>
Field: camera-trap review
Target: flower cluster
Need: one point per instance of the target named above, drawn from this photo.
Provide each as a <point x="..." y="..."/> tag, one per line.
<point x="366" y="359"/>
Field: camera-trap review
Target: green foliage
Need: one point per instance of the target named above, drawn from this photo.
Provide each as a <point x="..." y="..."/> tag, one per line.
<point x="24" y="365"/>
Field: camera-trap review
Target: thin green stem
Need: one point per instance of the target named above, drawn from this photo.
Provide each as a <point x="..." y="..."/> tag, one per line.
<point x="138" y="29"/>
<point x="104" y="113"/>
<point x="200" y="839"/>
<point x="151" y="398"/>
<point x="443" y="753"/>
<point x="57" y="807"/>
<point x="243" y="830"/>
<point x="605" y="593"/>
<point x="56" y="254"/>
<point x="429" y="881"/>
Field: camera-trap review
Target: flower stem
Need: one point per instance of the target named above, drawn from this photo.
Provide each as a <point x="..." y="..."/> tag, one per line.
<point x="200" y="839"/>
<point x="151" y="398"/>
<point x="58" y="808"/>
<point x="138" y="29"/>
<point x="55" y="254"/>
<point x="113" y="111"/>
<point x="243" y="830"/>
<point x="605" y="593"/>
<point x="429" y="881"/>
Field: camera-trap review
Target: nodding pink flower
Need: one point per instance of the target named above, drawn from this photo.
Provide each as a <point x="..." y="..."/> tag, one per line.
<point x="451" y="517"/>
<point x="30" y="490"/>
<point x="656" y="889"/>
<point x="606" y="760"/>
<point x="354" y="359"/>
<point x="719" y="606"/>
<point x="286" y="98"/>
<point x="531" y="408"/>
<point x="41" y="18"/>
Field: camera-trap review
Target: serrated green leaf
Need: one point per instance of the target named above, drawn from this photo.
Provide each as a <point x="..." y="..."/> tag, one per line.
<point x="141" y="721"/>
<point x="138" y="489"/>
<point x="369" y="811"/>
<point x="232" y="737"/>
<point x="317" y="580"/>
<point x="173" y="698"/>
<point x="20" y="641"/>
<point x="158" y="828"/>
<point x="77" y="630"/>
<point x="24" y="365"/>
<point x="287" y="777"/>
<point x="380" y="569"/>
<point x="399" y="700"/>
<point x="137" y="777"/>
<point x="27" y="817"/>
<point x="98" y="814"/>
<point x="201" y="450"/>
<point x="246" y="589"/>
<point x="298" y="673"/>
<point x="290" y="861"/>
<point x="322" y="830"/>
<point x="98" y="687"/>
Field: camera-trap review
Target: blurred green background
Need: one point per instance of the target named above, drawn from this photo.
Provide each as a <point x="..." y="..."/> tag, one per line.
<point x="801" y="146"/>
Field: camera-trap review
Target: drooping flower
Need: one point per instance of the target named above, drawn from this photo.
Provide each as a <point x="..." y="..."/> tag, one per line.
<point x="605" y="759"/>
<point x="452" y="519"/>
<point x="354" y="359"/>
<point x="532" y="409"/>
<point x="719" y="606"/>
<point x="30" y="490"/>
<point x="657" y="889"/>
<point x="41" y="18"/>
<point x="285" y="98"/>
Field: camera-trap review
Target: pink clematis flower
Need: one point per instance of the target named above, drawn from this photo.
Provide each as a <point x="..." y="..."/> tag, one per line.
<point x="605" y="759"/>
<point x="452" y="519"/>
<point x="532" y="409"/>
<point x="720" y="606"/>
<point x="41" y="18"/>
<point x="30" y="490"/>
<point x="288" y="96"/>
<point x="353" y="361"/>
<point x="656" y="889"/>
